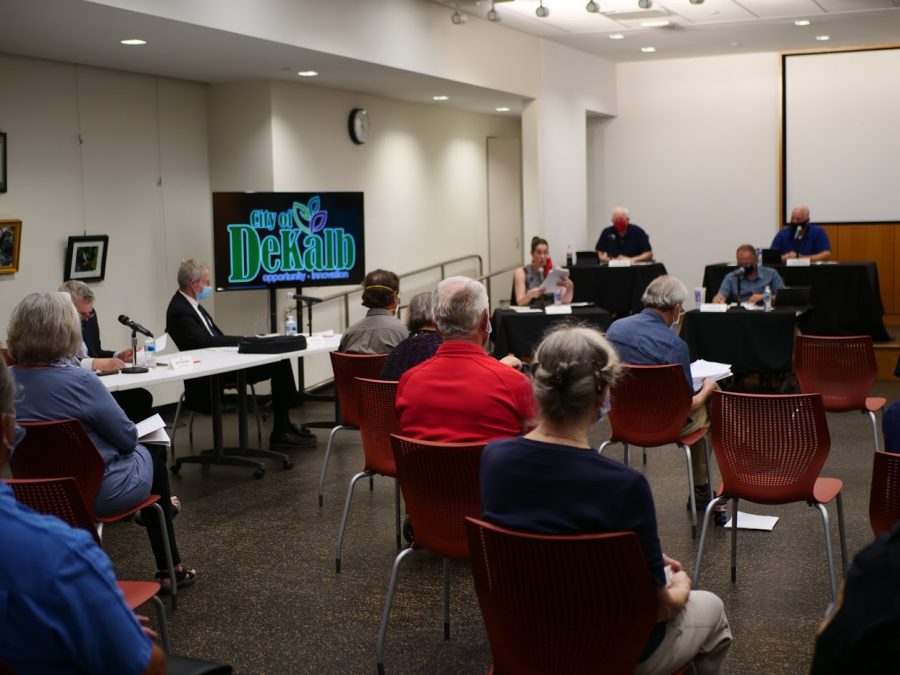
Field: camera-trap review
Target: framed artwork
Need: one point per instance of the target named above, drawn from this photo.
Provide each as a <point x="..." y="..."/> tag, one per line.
<point x="86" y="258"/>
<point x="10" y="241"/>
<point x="2" y="161"/>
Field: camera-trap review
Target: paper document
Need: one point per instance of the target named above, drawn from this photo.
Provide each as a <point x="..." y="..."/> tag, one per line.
<point x="713" y="307"/>
<point x="558" y="309"/>
<point x="161" y="342"/>
<point x="551" y="283"/>
<point x="749" y="521"/>
<point x="153" y="430"/>
<point x="703" y="370"/>
<point x="615" y="262"/>
<point x="797" y="262"/>
<point x="525" y="310"/>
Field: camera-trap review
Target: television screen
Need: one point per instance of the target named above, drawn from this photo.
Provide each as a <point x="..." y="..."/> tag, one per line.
<point x="279" y="239"/>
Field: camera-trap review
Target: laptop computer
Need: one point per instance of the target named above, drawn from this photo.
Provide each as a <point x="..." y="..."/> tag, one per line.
<point x="771" y="257"/>
<point x="793" y="296"/>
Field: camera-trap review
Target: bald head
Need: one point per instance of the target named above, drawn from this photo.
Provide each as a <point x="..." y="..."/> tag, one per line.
<point x="619" y="213"/>
<point x="800" y="214"/>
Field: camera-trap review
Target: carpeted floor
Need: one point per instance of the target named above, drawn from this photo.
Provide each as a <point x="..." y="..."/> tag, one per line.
<point x="268" y="600"/>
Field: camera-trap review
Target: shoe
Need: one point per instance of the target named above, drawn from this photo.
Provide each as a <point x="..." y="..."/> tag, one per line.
<point x="176" y="509"/>
<point x="407" y="530"/>
<point x="702" y="495"/>
<point x="292" y="440"/>
<point x="183" y="578"/>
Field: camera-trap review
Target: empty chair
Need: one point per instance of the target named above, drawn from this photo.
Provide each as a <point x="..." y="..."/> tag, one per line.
<point x="884" y="497"/>
<point x="770" y="450"/>
<point x="346" y="368"/>
<point x="842" y="370"/>
<point x="377" y="421"/>
<point x="440" y="486"/>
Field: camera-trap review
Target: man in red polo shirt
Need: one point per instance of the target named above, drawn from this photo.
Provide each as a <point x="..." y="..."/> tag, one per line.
<point x="461" y="394"/>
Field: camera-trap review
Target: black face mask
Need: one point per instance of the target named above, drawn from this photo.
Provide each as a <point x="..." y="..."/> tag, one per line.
<point x="749" y="269"/>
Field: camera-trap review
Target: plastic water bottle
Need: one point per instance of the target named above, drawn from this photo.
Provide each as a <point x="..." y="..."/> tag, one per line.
<point x="570" y="257"/>
<point x="290" y="323"/>
<point x="150" y="353"/>
<point x="557" y="297"/>
<point x="767" y="299"/>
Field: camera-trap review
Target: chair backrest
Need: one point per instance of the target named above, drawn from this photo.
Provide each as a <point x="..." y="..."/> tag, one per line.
<point x="56" y="449"/>
<point x="346" y="368"/>
<point x="842" y="369"/>
<point x="586" y="258"/>
<point x="884" y="498"/>
<point x="769" y="448"/>
<point x="58" y="497"/>
<point x="793" y="296"/>
<point x="441" y="485"/>
<point x="562" y="603"/>
<point x="650" y="405"/>
<point x="377" y="421"/>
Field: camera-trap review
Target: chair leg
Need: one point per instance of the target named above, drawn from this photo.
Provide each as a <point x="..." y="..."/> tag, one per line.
<point x="344" y="516"/>
<point x="734" y="529"/>
<point x="163" y="625"/>
<point x="372" y="483"/>
<point x="397" y="509"/>
<point x="829" y="554"/>
<point x="389" y="600"/>
<point x="691" y="496"/>
<point x="325" y="461"/>
<point x="191" y="430"/>
<point x="843" y="534"/>
<point x="603" y="446"/>
<point x="874" y="429"/>
<point x="446" y="599"/>
<point x="644" y="452"/>
<point x="706" y="515"/>
<point x="709" y="471"/>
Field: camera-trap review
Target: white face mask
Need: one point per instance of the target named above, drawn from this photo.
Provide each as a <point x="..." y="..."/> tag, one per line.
<point x="677" y="318"/>
<point x="605" y="407"/>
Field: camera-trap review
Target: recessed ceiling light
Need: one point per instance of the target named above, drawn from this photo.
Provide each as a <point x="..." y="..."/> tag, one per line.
<point x="648" y="50"/>
<point x="307" y="73"/>
<point x="655" y="23"/>
<point x="502" y="108"/>
<point x="823" y="38"/>
<point x="616" y="36"/>
<point x="134" y="41"/>
<point x="801" y="22"/>
<point x="441" y="98"/>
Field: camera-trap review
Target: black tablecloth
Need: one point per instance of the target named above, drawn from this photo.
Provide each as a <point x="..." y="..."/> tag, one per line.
<point x="750" y="340"/>
<point x="845" y="297"/>
<point x="520" y="333"/>
<point x="616" y="289"/>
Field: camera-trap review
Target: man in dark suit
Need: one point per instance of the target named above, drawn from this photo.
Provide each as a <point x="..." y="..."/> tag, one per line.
<point x="192" y="327"/>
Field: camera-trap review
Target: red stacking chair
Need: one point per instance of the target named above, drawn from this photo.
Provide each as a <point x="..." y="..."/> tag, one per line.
<point x="347" y="367"/>
<point x="440" y="483"/>
<point x="377" y="421"/>
<point x="770" y="450"/>
<point x="884" y="498"/>
<point x="62" y="448"/>
<point x="842" y="370"/>
<point x="650" y="405"/>
<point x="562" y="604"/>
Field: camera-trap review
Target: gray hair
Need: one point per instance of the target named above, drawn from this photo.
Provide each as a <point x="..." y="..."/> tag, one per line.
<point x="78" y="289"/>
<point x="458" y="304"/>
<point x="189" y="271"/>
<point x="572" y="367"/>
<point x="420" y="314"/>
<point x="7" y="390"/>
<point x="44" y="327"/>
<point x="664" y="293"/>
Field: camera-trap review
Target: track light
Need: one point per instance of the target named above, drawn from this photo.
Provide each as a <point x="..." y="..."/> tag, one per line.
<point x="492" y="13"/>
<point x="542" y="11"/>
<point x="645" y="4"/>
<point x="696" y="2"/>
<point x="592" y="7"/>
<point x="458" y="18"/>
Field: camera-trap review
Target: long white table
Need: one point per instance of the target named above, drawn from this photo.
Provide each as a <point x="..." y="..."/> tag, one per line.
<point x="213" y="362"/>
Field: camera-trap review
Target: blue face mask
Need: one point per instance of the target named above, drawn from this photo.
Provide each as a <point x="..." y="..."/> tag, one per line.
<point x="204" y="293"/>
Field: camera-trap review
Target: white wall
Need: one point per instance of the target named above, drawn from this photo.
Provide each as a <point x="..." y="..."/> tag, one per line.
<point x="693" y="153"/>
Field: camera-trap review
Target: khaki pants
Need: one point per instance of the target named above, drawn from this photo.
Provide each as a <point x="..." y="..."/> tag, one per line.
<point x="699" y="419"/>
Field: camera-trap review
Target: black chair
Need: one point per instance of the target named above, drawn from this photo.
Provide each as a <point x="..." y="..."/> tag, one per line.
<point x="793" y="296"/>
<point x="586" y="258"/>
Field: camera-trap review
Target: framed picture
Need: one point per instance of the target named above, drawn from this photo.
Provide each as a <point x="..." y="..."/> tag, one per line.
<point x="86" y="258"/>
<point x="10" y="240"/>
<point x="2" y="161"/>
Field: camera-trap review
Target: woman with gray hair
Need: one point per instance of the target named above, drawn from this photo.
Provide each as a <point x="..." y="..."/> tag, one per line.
<point x="421" y="343"/>
<point x="43" y="336"/>
<point x="551" y="481"/>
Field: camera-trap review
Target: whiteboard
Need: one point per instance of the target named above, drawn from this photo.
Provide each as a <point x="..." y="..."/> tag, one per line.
<point x="841" y="135"/>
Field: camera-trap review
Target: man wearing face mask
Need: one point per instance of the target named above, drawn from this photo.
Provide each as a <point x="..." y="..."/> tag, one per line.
<point x="802" y="239"/>
<point x="192" y="327"/>
<point x="461" y="394"/>
<point x="749" y="279"/>
<point x="623" y="240"/>
<point x="647" y="339"/>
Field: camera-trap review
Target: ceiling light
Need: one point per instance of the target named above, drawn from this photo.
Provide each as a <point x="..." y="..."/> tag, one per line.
<point x="134" y="41"/>
<point x="823" y="38"/>
<point x="542" y="12"/>
<point x="307" y="73"/>
<point x="616" y="36"/>
<point x="441" y="98"/>
<point x="502" y="108"/>
<point x="648" y="50"/>
<point x="801" y="22"/>
<point x="592" y="7"/>
<point x="457" y="18"/>
<point x="696" y="2"/>
<point x="645" y="4"/>
<point x="655" y="23"/>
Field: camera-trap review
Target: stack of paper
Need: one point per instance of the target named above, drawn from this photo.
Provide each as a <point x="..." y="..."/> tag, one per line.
<point x="703" y="370"/>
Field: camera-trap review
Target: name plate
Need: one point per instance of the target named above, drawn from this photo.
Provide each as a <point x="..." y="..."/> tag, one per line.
<point x="619" y="263"/>
<point x="713" y="307"/>
<point x="798" y="262"/>
<point x="558" y="309"/>
<point x="181" y="364"/>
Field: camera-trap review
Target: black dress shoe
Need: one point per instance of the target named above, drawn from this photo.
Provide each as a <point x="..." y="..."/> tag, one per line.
<point x="290" y="439"/>
<point x="302" y="431"/>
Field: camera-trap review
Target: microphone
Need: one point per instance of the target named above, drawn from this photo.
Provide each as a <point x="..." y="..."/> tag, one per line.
<point x="308" y="299"/>
<point x="798" y="232"/>
<point x="133" y="325"/>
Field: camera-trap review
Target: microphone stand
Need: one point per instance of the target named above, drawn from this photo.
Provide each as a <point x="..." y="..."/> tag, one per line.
<point x="134" y="368"/>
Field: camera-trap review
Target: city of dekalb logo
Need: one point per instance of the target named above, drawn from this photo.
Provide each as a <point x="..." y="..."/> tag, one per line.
<point x="294" y="245"/>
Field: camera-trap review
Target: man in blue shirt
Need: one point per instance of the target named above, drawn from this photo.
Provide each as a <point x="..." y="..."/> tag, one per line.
<point x="802" y="239"/>
<point x="749" y="278"/>
<point x="623" y="240"/>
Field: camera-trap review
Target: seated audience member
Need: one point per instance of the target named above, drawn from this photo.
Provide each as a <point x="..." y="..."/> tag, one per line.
<point x="192" y="327"/>
<point x="802" y="239"/>
<point x="380" y="331"/>
<point x="859" y="634"/>
<point x="421" y="344"/>
<point x="527" y="280"/>
<point x="552" y="481"/>
<point x="461" y="394"/>
<point x="623" y="240"/>
<point x="137" y="403"/>
<point x="890" y="425"/>
<point x="647" y="339"/>
<point x="62" y="611"/>
<point x="749" y="278"/>
<point x="44" y="334"/>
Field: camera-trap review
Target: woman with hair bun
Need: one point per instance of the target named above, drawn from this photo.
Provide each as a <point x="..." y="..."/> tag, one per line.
<point x="527" y="280"/>
<point x="551" y="481"/>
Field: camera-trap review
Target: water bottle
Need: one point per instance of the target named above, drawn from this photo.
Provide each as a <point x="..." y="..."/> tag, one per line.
<point x="150" y="353"/>
<point x="290" y="323"/>
<point x="557" y="297"/>
<point x="570" y="258"/>
<point x="767" y="299"/>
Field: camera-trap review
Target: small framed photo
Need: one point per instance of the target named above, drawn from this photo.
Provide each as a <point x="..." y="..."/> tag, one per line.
<point x="86" y="258"/>
<point x="10" y="241"/>
<point x="2" y="161"/>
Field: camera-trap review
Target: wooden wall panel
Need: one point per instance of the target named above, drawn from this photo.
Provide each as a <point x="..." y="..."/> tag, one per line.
<point x="858" y="243"/>
<point x="834" y="239"/>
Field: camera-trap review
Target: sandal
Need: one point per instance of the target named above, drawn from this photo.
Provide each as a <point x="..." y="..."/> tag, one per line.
<point x="183" y="577"/>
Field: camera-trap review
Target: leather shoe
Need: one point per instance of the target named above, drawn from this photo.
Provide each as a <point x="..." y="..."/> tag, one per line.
<point x="291" y="439"/>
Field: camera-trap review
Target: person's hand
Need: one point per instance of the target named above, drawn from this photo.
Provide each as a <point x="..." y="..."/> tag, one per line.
<point x="718" y="299"/>
<point x="564" y="282"/>
<point x="145" y="624"/>
<point x="671" y="562"/>
<point x="110" y="365"/>
<point x="789" y="254"/>
<point x="755" y="298"/>
<point x="124" y="355"/>
<point x="512" y="361"/>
